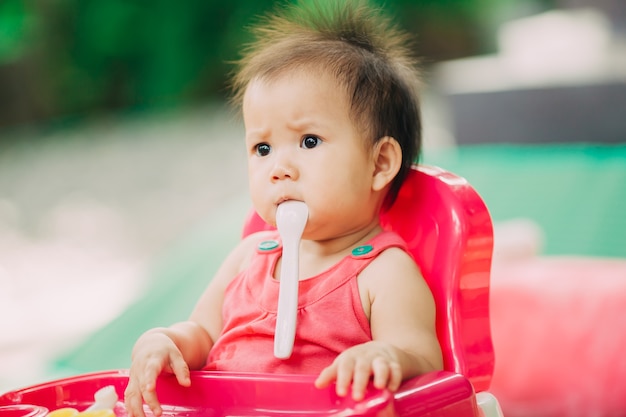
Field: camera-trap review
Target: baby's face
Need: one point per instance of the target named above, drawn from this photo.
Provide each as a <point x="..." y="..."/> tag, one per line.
<point x="302" y="145"/>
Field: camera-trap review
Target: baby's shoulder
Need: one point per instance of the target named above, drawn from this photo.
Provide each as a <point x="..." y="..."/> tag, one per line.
<point x="394" y="257"/>
<point x="392" y="263"/>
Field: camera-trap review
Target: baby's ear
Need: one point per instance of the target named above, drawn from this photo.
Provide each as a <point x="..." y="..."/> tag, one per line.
<point x="387" y="161"/>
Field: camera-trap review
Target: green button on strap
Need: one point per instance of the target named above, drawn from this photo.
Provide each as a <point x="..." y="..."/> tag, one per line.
<point x="268" y="245"/>
<point x="362" y="250"/>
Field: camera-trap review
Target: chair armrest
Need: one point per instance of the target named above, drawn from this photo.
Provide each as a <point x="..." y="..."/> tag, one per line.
<point x="437" y="394"/>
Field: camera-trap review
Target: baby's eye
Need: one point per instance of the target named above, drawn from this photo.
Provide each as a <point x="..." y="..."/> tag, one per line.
<point x="263" y="149"/>
<point x="310" y="142"/>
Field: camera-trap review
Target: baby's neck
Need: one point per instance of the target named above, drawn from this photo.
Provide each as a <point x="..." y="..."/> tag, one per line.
<point x="318" y="255"/>
<point x="340" y="245"/>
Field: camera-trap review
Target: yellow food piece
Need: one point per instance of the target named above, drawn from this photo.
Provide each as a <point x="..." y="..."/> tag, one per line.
<point x="63" y="412"/>
<point x="97" y="413"/>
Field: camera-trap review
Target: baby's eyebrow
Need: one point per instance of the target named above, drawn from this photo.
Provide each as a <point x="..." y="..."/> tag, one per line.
<point x="304" y="124"/>
<point x="258" y="134"/>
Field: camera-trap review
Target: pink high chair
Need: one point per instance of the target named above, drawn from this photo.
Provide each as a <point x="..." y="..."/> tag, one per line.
<point x="449" y="232"/>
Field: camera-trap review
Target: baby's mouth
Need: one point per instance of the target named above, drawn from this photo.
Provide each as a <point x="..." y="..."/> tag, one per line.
<point x="285" y="199"/>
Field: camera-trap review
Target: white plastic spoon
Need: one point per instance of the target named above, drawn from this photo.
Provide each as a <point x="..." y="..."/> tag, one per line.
<point x="291" y="217"/>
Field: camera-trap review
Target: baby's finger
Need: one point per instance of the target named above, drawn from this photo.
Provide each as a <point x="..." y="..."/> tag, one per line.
<point x="133" y="401"/>
<point x="345" y="371"/>
<point x="396" y="376"/>
<point x="181" y="370"/>
<point x="150" y="398"/>
<point x="147" y="385"/>
<point x="325" y="377"/>
<point x="382" y="372"/>
<point x="360" y="379"/>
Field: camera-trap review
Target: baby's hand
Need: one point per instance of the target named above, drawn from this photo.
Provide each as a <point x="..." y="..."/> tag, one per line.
<point x="153" y="354"/>
<point x="358" y="364"/>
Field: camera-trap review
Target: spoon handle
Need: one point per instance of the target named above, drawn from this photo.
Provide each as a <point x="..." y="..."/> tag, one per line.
<point x="287" y="301"/>
<point x="291" y="218"/>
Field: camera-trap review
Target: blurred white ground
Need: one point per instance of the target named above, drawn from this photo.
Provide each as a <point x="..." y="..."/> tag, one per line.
<point x="84" y="213"/>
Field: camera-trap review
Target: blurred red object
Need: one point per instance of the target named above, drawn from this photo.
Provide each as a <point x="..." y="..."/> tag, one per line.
<point x="559" y="331"/>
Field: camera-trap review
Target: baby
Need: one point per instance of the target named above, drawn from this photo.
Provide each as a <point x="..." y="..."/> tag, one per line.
<point x="331" y="115"/>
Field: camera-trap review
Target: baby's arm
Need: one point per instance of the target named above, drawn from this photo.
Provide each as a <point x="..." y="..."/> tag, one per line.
<point x="182" y="346"/>
<point x="402" y="320"/>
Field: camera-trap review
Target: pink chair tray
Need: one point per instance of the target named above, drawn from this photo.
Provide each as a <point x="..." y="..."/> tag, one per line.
<point x="211" y="394"/>
<point x="22" y="410"/>
<point x="217" y="394"/>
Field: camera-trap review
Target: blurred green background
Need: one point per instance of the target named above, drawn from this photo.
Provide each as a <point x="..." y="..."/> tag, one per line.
<point x="64" y="60"/>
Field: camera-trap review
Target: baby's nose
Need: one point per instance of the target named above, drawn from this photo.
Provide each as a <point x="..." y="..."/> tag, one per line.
<point x="284" y="168"/>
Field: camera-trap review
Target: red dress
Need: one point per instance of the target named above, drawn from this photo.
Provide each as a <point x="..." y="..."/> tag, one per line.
<point x="330" y="315"/>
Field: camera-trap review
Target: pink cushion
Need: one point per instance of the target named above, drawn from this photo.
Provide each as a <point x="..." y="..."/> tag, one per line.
<point x="559" y="333"/>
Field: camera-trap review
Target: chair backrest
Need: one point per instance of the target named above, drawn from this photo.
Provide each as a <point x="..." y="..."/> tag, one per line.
<point x="449" y="233"/>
